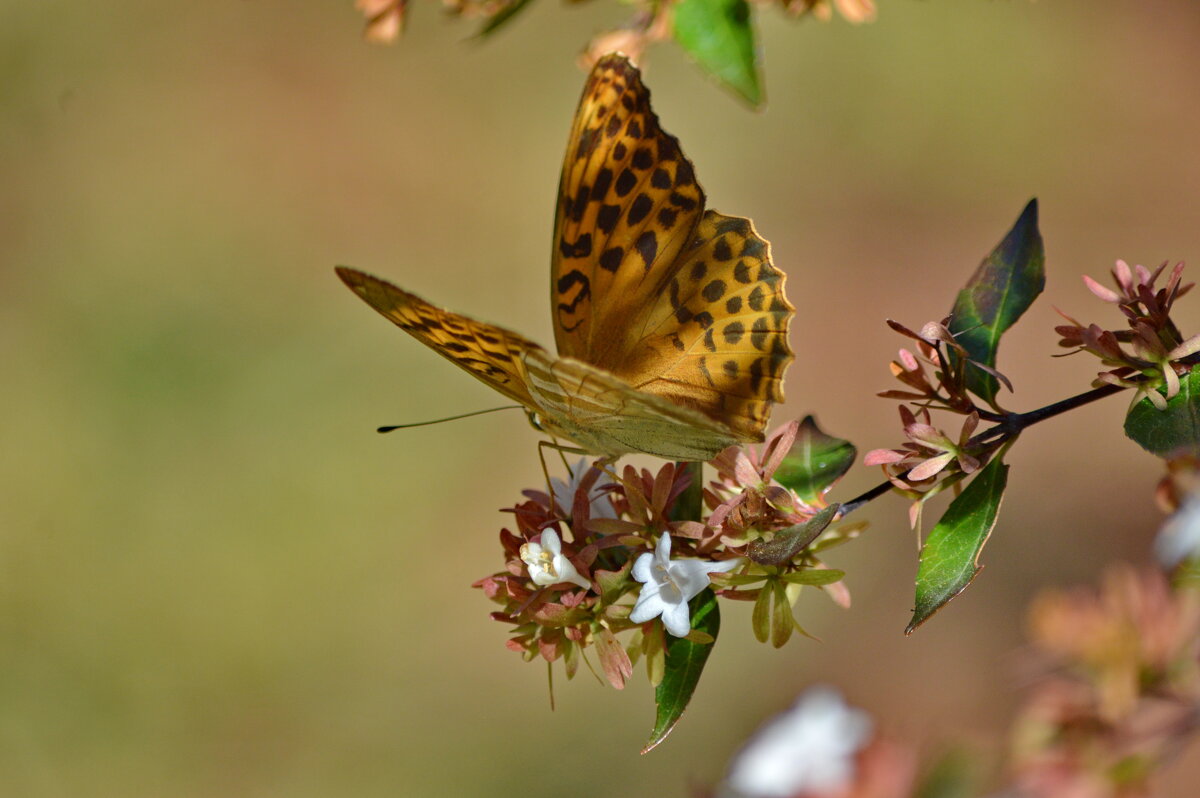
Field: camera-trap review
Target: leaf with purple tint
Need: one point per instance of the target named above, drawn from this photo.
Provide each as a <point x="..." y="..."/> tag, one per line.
<point x="1002" y="288"/>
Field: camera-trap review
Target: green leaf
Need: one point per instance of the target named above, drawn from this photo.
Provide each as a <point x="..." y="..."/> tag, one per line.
<point x="950" y="557"/>
<point x="1002" y="288"/>
<point x="789" y="542"/>
<point x="718" y="34"/>
<point x="685" y="662"/>
<point x="814" y="576"/>
<point x="655" y="656"/>
<point x="1171" y="432"/>
<point x="760" y="619"/>
<point x="952" y="776"/>
<point x="612" y="583"/>
<point x="815" y="461"/>
<point x="689" y="505"/>
<point x="781" y="618"/>
<point x="502" y="17"/>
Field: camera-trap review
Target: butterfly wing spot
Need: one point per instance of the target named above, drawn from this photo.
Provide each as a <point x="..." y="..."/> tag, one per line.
<point x="611" y="259"/>
<point x="625" y="183"/>
<point x="574" y="290"/>
<point x="713" y="291"/>
<point x="607" y="218"/>
<point x="647" y="247"/>
<point x="579" y="248"/>
<point x="639" y="209"/>
<point x="721" y="250"/>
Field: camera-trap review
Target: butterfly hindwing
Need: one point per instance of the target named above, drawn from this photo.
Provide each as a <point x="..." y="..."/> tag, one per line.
<point x="492" y="354"/>
<point x="604" y="414"/>
<point x="717" y="338"/>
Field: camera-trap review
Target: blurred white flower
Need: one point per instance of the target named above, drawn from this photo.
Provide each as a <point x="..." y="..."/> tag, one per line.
<point x="670" y="585"/>
<point x="547" y="564"/>
<point x="564" y="492"/>
<point x="1179" y="538"/>
<point x="809" y="748"/>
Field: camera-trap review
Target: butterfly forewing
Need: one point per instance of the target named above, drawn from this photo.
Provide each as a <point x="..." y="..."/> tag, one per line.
<point x="491" y="353"/>
<point x="628" y="205"/>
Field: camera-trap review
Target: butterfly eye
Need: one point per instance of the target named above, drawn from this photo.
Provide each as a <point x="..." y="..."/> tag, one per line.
<point x="535" y="421"/>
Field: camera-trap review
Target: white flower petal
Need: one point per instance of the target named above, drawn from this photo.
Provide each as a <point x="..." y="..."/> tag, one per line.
<point x="668" y="585"/>
<point x="564" y="492"/>
<point x="546" y="563"/>
<point x="642" y="566"/>
<point x="690" y="577"/>
<point x="1179" y="538"/>
<point x="677" y="618"/>
<point x="662" y="552"/>
<point x="809" y="748"/>
<point x="648" y="607"/>
<point x="724" y="566"/>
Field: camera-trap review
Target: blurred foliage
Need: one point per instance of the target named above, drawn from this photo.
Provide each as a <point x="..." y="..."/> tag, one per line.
<point x="718" y="34"/>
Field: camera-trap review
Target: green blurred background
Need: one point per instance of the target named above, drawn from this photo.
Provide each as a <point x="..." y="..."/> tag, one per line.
<point x="216" y="580"/>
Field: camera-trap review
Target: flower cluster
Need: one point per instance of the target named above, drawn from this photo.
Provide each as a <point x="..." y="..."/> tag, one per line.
<point x="385" y="18"/>
<point x="651" y="22"/>
<point x="1121" y="688"/>
<point x="855" y="11"/>
<point x="608" y="552"/>
<point x="916" y="464"/>
<point x="1115" y="696"/>
<point x="946" y="387"/>
<point x="1151" y="353"/>
<point x="934" y="377"/>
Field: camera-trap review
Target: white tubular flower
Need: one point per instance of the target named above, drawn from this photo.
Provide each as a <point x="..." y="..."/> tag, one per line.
<point x="548" y="565"/>
<point x="809" y="748"/>
<point x="564" y="492"/>
<point x="1179" y="538"/>
<point x="670" y="585"/>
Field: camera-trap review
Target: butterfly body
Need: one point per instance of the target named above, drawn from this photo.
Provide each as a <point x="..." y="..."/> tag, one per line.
<point x="670" y="320"/>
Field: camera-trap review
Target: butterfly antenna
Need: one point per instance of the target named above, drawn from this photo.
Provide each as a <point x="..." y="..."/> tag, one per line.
<point x="449" y="418"/>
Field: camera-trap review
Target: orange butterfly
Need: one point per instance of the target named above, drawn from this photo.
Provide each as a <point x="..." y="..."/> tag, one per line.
<point x="671" y="322"/>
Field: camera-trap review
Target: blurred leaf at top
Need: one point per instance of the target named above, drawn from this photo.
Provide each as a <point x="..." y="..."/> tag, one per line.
<point x="684" y="663"/>
<point x="950" y="557"/>
<point x="1002" y="288"/>
<point x="815" y="461"/>
<point x="1171" y="432"/>
<point x="718" y="34"/>
<point x="503" y="16"/>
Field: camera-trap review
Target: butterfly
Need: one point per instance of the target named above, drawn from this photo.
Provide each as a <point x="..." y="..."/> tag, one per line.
<point x="670" y="320"/>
